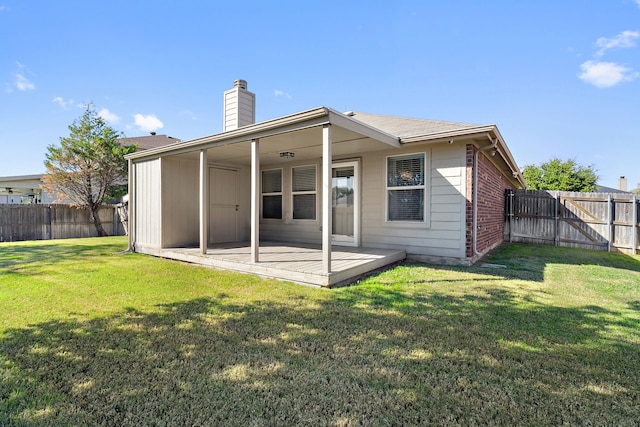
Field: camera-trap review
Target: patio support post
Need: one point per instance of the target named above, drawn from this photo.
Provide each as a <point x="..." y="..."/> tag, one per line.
<point x="204" y="202"/>
<point x="255" y="200"/>
<point x="326" y="199"/>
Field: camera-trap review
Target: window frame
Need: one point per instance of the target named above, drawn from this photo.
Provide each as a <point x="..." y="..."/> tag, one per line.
<point x="305" y="192"/>
<point x="280" y="193"/>
<point x="424" y="187"/>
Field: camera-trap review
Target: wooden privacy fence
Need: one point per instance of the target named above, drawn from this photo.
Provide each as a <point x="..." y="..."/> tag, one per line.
<point x="43" y="222"/>
<point x="599" y="221"/>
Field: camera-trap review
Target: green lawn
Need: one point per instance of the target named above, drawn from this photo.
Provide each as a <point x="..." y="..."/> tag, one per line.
<point x="93" y="336"/>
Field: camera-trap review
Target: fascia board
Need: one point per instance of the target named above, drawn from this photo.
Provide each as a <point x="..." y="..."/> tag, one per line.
<point x="505" y="153"/>
<point x="439" y="136"/>
<point x="21" y="177"/>
<point x="298" y="121"/>
<point x="339" y="119"/>
<point x="489" y="132"/>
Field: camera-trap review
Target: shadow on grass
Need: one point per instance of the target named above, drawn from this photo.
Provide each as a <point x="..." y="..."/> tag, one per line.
<point x="360" y="357"/>
<point x="19" y="257"/>
<point x="529" y="262"/>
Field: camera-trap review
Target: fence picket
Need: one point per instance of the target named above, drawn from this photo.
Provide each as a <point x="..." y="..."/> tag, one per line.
<point x="588" y="220"/>
<point x="43" y="222"/>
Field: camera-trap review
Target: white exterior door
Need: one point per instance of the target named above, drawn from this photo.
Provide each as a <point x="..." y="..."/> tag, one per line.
<point x="223" y="212"/>
<point x="345" y="201"/>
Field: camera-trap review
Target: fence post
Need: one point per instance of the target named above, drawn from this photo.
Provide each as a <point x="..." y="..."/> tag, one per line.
<point x="556" y="228"/>
<point x="50" y="222"/>
<point x="609" y="223"/>
<point x="114" y="224"/>
<point x="634" y="225"/>
<point x="510" y="201"/>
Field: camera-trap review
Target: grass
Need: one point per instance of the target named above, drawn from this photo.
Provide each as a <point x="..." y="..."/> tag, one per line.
<point x="92" y="336"/>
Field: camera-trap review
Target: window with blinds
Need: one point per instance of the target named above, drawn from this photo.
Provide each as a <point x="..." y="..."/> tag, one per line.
<point x="272" y="194"/>
<point x="303" y="191"/>
<point x="406" y="188"/>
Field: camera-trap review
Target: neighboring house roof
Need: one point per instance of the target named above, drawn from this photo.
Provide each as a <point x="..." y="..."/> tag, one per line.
<point x="603" y="189"/>
<point x="150" y="141"/>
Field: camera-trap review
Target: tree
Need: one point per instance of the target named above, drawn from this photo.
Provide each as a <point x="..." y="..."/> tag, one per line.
<point x="87" y="165"/>
<point x="561" y="176"/>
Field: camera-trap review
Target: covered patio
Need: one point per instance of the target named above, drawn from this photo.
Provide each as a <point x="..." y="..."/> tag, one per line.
<point x="300" y="263"/>
<point x="177" y="211"/>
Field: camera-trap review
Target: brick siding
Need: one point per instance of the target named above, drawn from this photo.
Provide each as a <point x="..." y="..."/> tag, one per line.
<point x="491" y="189"/>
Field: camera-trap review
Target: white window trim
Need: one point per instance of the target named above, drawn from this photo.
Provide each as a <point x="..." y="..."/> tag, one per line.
<point x="355" y="242"/>
<point x="427" y="194"/>
<point x="281" y="194"/>
<point x="295" y="193"/>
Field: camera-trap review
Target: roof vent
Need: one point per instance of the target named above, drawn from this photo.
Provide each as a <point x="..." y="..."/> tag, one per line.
<point x="152" y="133"/>
<point x="350" y="113"/>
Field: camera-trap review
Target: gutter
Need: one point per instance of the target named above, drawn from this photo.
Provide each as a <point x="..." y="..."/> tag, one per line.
<point x="493" y="145"/>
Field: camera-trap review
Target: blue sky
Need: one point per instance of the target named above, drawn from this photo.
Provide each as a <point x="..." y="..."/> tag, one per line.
<point x="559" y="78"/>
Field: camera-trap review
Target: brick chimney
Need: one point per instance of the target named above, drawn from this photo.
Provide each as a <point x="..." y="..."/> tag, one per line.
<point x="622" y="183"/>
<point x="239" y="107"/>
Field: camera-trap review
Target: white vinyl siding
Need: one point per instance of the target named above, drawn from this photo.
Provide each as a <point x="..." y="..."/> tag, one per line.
<point x="406" y="187"/>
<point x="180" y="210"/>
<point x="272" y="194"/>
<point x="443" y="233"/>
<point x="147" y="203"/>
<point x="303" y="192"/>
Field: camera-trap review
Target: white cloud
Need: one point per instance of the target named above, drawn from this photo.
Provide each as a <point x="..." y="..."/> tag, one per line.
<point x="148" y="123"/>
<point x="623" y="40"/>
<point x="109" y="117"/>
<point x="23" y="84"/>
<point x="281" y="94"/>
<point x="20" y="81"/>
<point x="605" y="74"/>
<point x="62" y="102"/>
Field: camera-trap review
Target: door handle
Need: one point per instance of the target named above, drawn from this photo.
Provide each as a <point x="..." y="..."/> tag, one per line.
<point x="237" y="206"/>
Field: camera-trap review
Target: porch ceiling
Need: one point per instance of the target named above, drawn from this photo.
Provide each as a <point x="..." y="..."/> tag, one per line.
<point x="305" y="143"/>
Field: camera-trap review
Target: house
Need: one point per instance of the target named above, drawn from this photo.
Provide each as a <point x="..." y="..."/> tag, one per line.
<point x="320" y="196"/>
<point x="23" y="189"/>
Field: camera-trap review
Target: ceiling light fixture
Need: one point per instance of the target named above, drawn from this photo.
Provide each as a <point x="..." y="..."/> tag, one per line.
<point x="287" y="154"/>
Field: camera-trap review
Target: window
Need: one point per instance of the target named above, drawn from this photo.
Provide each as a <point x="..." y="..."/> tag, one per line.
<point x="303" y="190"/>
<point x="272" y="194"/>
<point x="406" y="188"/>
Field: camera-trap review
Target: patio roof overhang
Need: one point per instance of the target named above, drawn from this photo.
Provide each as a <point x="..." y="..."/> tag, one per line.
<point x="300" y="133"/>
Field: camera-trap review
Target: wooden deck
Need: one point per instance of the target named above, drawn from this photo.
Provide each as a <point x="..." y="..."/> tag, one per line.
<point x="294" y="262"/>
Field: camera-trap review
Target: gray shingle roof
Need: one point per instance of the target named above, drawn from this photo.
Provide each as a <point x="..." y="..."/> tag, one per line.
<point x="404" y="127"/>
<point x="150" y="141"/>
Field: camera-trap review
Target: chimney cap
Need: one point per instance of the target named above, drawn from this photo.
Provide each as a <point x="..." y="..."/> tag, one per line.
<point x="242" y="84"/>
